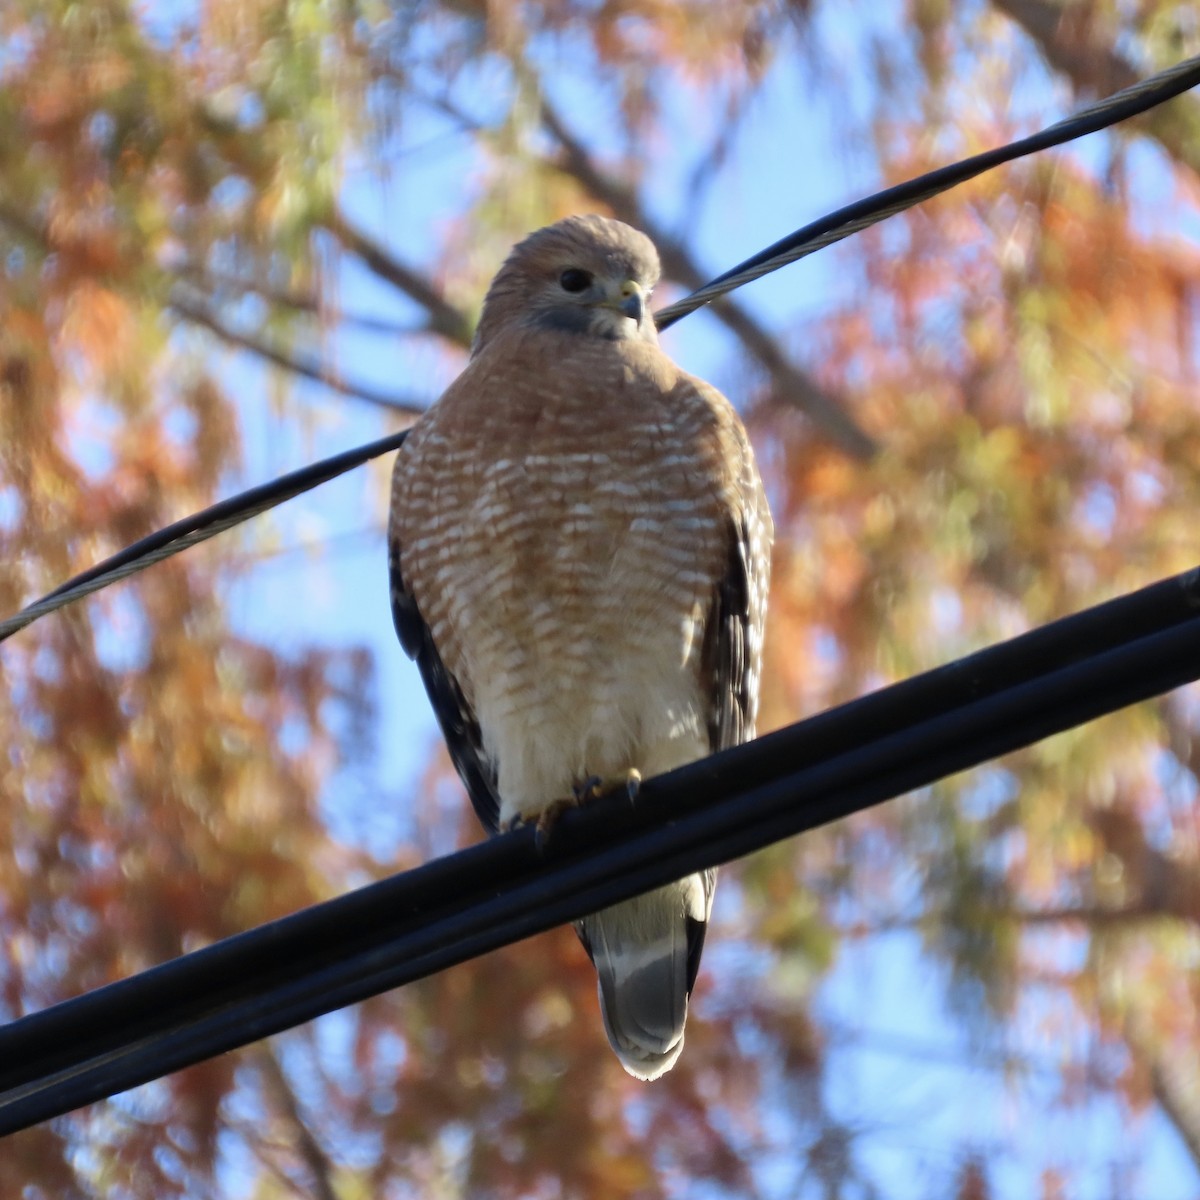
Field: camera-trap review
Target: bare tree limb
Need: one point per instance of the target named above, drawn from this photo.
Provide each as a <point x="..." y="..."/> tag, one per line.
<point x="204" y="277"/>
<point x="1095" y="915"/>
<point x="1156" y="884"/>
<point x="444" y="318"/>
<point x="316" y="1161"/>
<point x="790" y="384"/>
<point x="1179" y="1103"/>
<point x="200" y="315"/>
<point x="1172" y="1083"/>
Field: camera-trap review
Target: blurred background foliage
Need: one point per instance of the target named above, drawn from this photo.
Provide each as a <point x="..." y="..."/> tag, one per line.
<point x="988" y="418"/>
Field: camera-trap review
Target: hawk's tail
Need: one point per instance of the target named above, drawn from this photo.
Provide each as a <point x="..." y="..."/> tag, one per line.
<point x="647" y="952"/>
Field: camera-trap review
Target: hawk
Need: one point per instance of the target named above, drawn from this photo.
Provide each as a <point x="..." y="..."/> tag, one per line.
<point x="579" y="545"/>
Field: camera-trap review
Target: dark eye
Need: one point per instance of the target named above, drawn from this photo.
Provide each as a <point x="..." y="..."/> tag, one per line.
<point x="574" y="280"/>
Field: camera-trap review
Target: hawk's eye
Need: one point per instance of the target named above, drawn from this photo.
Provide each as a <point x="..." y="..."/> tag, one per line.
<point x="574" y="280"/>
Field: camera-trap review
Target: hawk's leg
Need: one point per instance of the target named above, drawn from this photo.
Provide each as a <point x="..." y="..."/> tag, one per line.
<point x="546" y="819"/>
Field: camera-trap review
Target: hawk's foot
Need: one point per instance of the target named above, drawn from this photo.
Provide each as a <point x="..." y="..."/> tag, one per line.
<point x="548" y="818"/>
<point x="592" y="788"/>
<point x="595" y="786"/>
<point x="544" y="822"/>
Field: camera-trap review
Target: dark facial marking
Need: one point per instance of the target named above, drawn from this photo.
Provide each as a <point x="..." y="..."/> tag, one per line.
<point x="574" y="320"/>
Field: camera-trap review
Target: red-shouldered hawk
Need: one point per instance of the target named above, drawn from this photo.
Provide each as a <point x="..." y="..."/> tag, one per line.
<point x="579" y="549"/>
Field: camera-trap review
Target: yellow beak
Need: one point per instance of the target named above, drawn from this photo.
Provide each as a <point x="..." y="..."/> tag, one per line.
<point x="627" y="299"/>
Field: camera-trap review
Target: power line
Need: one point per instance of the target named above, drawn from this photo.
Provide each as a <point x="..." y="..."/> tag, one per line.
<point x="854" y="218"/>
<point x="199" y="527"/>
<point x="829" y="229"/>
<point x="720" y="808"/>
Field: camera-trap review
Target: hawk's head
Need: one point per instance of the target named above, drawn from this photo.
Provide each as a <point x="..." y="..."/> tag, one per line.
<point x="588" y="275"/>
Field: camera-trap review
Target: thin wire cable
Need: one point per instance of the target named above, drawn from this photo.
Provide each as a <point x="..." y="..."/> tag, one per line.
<point x="199" y="527"/>
<point x="854" y="218"/>
<point x="454" y="908"/>
<point x="813" y="237"/>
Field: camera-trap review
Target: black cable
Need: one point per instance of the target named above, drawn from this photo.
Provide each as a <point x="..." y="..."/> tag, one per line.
<point x="454" y="908"/>
<point x="829" y="229"/>
<point x="854" y="218"/>
<point x="199" y="527"/>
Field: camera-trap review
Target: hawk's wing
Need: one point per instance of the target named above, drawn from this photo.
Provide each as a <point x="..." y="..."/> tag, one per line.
<point x="731" y="658"/>
<point x="460" y="727"/>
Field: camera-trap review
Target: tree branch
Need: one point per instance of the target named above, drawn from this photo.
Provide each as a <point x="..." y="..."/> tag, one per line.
<point x="1172" y="1083"/>
<point x="200" y="315"/>
<point x="1179" y="1108"/>
<point x="1156" y="884"/>
<point x="204" y="278"/>
<point x="1096" y="915"/>
<point x="1178" y="1101"/>
<point x="444" y="318"/>
<point x="317" y="1162"/>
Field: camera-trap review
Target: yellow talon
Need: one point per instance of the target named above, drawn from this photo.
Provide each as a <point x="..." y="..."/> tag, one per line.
<point x="596" y="786"/>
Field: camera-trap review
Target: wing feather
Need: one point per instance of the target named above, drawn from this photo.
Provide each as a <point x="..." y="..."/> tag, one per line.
<point x="731" y="657"/>
<point x="460" y="726"/>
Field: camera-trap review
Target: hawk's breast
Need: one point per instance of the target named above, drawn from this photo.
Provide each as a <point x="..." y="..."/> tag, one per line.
<point x="564" y="546"/>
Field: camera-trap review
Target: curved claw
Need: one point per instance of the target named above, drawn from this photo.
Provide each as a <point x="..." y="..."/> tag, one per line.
<point x="591" y="788"/>
<point x="595" y="786"/>
<point x="544" y="822"/>
<point x="632" y="784"/>
<point x="588" y="789"/>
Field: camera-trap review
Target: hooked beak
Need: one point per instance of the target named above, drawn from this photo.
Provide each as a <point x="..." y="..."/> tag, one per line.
<point x="628" y="300"/>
